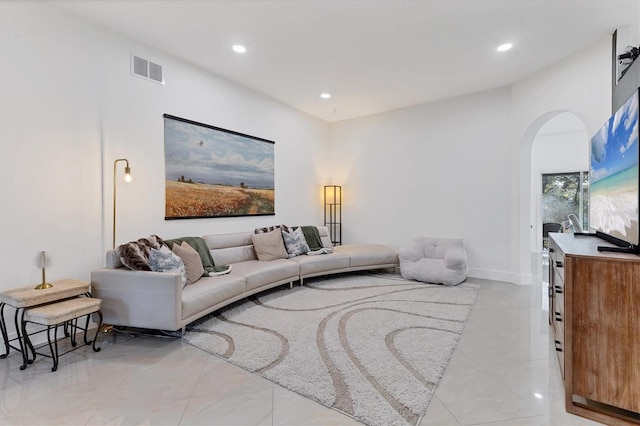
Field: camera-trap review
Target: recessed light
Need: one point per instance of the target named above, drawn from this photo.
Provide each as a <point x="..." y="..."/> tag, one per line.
<point x="238" y="48"/>
<point x="504" y="47"/>
<point x="325" y="95"/>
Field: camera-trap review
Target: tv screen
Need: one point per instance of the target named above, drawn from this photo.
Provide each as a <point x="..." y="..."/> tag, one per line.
<point x="614" y="179"/>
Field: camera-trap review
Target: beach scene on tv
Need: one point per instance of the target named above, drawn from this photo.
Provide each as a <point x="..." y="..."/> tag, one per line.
<point x="614" y="175"/>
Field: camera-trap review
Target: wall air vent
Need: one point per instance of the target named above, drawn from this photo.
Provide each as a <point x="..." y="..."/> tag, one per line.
<point x="146" y="69"/>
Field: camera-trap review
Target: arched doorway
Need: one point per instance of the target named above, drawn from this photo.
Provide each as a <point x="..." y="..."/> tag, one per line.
<point x="557" y="142"/>
<point x="559" y="156"/>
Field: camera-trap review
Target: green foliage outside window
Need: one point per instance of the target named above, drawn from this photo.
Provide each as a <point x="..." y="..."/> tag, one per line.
<point x="564" y="194"/>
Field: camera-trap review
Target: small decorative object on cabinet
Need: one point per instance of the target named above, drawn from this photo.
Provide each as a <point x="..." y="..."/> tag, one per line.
<point x="333" y="212"/>
<point x="44" y="262"/>
<point x="594" y="299"/>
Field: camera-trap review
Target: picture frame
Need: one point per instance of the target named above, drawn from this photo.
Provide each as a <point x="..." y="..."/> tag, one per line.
<point x="214" y="172"/>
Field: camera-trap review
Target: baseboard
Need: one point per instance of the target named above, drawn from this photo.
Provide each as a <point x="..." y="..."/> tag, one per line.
<point x="510" y="277"/>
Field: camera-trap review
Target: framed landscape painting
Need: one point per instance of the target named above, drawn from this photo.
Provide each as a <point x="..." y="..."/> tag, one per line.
<point x="213" y="172"/>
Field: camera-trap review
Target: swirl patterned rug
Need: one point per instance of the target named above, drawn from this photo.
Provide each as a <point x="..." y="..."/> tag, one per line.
<point x="372" y="346"/>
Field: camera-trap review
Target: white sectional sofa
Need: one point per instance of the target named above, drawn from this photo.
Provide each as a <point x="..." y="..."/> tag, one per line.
<point x="157" y="300"/>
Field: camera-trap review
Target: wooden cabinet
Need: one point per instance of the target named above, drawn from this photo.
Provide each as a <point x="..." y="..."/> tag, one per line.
<point x="556" y="305"/>
<point x="594" y="312"/>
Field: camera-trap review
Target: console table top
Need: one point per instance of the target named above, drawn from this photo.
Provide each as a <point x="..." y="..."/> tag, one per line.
<point x="25" y="297"/>
<point x="587" y="245"/>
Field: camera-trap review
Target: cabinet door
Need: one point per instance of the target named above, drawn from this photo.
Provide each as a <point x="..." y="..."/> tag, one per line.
<point x="558" y="337"/>
<point x="606" y="331"/>
<point x="553" y="250"/>
<point x="556" y="301"/>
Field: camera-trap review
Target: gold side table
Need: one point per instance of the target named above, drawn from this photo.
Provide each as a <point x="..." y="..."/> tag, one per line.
<point x="27" y="297"/>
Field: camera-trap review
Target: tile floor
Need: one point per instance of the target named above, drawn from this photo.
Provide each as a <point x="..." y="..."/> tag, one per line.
<point x="504" y="371"/>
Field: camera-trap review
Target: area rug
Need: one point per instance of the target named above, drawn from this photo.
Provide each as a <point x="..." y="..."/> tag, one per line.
<point x="372" y="346"/>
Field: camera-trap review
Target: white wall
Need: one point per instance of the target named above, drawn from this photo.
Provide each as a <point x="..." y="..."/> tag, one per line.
<point x="69" y="107"/>
<point x="439" y="169"/>
<point x="561" y="146"/>
<point x="462" y="167"/>
<point x="580" y="84"/>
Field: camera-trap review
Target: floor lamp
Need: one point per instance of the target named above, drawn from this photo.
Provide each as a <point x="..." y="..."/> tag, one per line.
<point x="127" y="178"/>
<point x="333" y="212"/>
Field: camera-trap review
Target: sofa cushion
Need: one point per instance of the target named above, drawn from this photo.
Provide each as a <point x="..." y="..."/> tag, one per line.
<point x="230" y="248"/>
<point x="323" y="231"/>
<point x="368" y="254"/>
<point x="311" y="265"/>
<point x="258" y="274"/>
<point x="113" y="260"/>
<point x="269" y="246"/>
<point x="230" y="255"/>
<point x="209" y="291"/>
<point x="295" y="242"/>
<point x="229" y="240"/>
<point x="191" y="259"/>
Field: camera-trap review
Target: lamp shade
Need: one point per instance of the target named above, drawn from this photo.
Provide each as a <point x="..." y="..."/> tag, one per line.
<point x="333" y="194"/>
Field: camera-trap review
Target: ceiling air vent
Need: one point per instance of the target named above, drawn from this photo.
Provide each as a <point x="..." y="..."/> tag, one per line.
<point x="146" y="69"/>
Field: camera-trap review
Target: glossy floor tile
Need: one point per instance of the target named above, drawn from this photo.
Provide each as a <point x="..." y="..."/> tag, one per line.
<point x="504" y="371"/>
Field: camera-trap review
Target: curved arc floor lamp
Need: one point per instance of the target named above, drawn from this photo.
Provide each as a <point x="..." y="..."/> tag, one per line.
<point x="127" y="178"/>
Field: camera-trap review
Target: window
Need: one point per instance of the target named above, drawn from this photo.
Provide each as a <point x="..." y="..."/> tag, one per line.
<point x="564" y="194"/>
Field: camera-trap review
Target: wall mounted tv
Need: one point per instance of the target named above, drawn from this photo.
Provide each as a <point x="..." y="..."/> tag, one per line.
<point x="614" y="193"/>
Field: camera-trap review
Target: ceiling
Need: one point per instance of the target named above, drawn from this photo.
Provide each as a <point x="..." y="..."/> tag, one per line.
<point x="372" y="56"/>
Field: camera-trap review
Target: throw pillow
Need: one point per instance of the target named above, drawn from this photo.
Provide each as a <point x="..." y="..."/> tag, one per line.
<point x="269" y="245"/>
<point x="270" y="228"/>
<point x="199" y="245"/>
<point x="135" y="254"/>
<point x="164" y="260"/>
<point x="192" y="262"/>
<point x="295" y="242"/>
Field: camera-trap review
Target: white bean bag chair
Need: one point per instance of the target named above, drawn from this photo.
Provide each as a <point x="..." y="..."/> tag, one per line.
<point x="434" y="260"/>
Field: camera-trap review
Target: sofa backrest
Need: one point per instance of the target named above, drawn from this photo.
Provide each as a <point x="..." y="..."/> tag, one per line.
<point x="113" y="260"/>
<point x="226" y="248"/>
<point x="237" y="246"/>
<point x="324" y="236"/>
<point x="230" y="248"/>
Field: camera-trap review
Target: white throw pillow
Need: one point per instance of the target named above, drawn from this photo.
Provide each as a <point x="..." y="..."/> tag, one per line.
<point x="295" y="242"/>
<point x="164" y="260"/>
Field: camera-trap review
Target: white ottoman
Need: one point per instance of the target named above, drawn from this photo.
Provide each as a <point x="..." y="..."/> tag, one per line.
<point x="434" y="260"/>
<point x="65" y="313"/>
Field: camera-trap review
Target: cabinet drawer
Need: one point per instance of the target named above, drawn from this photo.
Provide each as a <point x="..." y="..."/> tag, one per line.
<point x="558" y="282"/>
<point x="557" y="263"/>
<point x="557" y="315"/>
<point x="558" y="342"/>
<point x="553" y="251"/>
<point x="558" y="311"/>
<point x="555" y="254"/>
